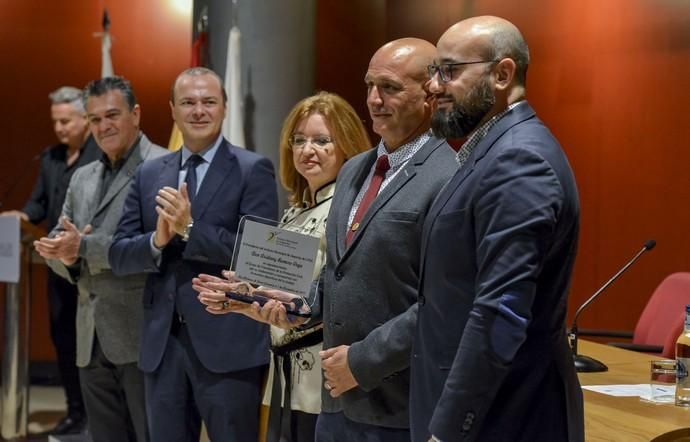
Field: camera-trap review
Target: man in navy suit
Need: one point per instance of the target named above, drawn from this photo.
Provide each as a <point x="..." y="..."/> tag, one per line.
<point x="490" y="359"/>
<point x="180" y="219"/>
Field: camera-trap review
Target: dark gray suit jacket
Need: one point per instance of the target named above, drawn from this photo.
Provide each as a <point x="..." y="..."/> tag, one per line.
<point x="108" y="305"/>
<point x="369" y="290"/>
<point x="491" y="361"/>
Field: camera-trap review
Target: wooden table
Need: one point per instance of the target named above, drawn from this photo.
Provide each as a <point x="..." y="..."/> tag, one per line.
<point x="624" y="419"/>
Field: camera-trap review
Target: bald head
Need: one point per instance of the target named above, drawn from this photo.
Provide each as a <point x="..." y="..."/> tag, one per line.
<point x="484" y="62"/>
<point x="397" y="96"/>
<point x="410" y="56"/>
<point x="490" y="38"/>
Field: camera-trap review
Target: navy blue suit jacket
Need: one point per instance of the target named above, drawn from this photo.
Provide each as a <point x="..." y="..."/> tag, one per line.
<point x="491" y="360"/>
<point x="238" y="182"/>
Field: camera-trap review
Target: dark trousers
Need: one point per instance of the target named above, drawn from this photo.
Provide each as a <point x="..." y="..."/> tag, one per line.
<point x="303" y="426"/>
<point x="62" y="306"/>
<point x="182" y="392"/>
<point x="114" y="398"/>
<point x="335" y="427"/>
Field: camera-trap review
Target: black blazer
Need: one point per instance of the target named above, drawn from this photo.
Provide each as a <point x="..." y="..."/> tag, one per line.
<point x="54" y="176"/>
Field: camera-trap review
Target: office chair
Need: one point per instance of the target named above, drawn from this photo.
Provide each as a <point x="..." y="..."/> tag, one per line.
<point x="661" y="320"/>
<point x="679" y="435"/>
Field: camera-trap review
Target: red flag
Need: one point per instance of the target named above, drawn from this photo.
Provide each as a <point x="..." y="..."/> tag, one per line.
<point x="200" y="50"/>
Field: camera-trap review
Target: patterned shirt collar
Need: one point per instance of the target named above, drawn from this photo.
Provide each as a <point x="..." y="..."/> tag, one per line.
<point x="397" y="160"/>
<point x="479" y="134"/>
<point x="402" y="154"/>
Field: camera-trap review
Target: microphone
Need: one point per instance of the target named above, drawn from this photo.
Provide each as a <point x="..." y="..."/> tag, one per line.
<point x="585" y="363"/>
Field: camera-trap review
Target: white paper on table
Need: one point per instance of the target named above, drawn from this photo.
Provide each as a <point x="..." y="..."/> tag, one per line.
<point x="644" y="391"/>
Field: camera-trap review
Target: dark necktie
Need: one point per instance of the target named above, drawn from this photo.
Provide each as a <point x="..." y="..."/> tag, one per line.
<point x="382" y="166"/>
<point x="190" y="179"/>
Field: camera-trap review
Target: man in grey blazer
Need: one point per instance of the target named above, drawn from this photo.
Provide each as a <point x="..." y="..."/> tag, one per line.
<point x="109" y="312"/>
<point x="366" y="295"/>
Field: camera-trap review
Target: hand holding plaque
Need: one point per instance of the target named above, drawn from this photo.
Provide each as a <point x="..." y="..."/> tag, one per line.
<point x="279" y="260"/>
<point x="212" y="292"/>
<point x="263" y="305"/>
<point x="295" y="306"/>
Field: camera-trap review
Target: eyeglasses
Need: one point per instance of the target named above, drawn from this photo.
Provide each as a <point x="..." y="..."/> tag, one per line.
<point x="445" y="70"/>
<point x="319" y="142"/>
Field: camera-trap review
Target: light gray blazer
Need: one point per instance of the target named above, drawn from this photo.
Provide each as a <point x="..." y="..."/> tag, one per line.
<point x="367" y="293"/>
<point x="108" y="305"/>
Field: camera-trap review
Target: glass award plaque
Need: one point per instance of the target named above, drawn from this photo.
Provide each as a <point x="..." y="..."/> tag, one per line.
<point x="268" y="255"/>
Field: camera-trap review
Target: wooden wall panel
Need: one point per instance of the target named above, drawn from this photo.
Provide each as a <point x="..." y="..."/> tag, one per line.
<point x="347" y="34"/>
<point x="608" y="78"/>
<point x="45" y="45"/>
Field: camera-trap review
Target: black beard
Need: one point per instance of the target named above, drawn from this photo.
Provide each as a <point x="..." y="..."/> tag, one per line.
<point x="465" y="115"/>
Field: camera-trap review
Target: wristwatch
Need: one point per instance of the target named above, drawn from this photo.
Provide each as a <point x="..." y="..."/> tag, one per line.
<point x="187" y="229"/>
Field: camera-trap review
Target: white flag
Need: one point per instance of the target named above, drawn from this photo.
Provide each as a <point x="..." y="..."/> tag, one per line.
<point x="233" y="129"/>
<point x="106" y="61"/>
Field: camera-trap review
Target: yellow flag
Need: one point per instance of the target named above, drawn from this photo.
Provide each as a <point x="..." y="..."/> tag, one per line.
<point x="175" y="139"/>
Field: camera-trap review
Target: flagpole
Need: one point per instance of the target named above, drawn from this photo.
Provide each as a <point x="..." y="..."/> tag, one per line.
<point x="233" y="126"/>
<point x="106" y="60"/>
<point x="235" y="13"/>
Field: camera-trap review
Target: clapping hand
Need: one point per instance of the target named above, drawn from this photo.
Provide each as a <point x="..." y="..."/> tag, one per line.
<point x="174" y="208"/>
<point x="63" y="246"/>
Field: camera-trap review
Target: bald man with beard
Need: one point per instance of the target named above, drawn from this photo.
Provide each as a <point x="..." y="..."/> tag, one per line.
<point x="491" y="361"/>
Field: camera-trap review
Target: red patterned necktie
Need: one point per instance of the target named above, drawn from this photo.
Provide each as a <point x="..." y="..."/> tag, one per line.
<point x="382" y="166"/>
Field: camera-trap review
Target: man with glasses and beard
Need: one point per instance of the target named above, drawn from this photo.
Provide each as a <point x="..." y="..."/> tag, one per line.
<point x="490" y="359"/>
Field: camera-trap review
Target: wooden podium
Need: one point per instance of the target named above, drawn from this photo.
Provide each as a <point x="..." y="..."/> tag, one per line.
<point x="16" y="237"/>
